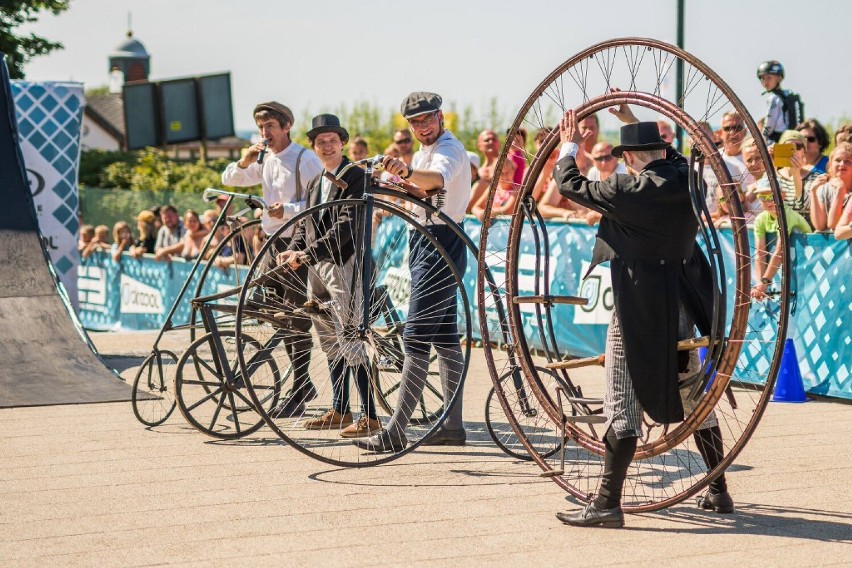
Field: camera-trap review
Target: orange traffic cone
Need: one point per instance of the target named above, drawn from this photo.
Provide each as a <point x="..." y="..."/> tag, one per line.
<point x="789" y="386"/>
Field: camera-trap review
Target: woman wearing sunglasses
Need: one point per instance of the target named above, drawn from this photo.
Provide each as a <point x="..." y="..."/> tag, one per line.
<point x="816" y="142"/>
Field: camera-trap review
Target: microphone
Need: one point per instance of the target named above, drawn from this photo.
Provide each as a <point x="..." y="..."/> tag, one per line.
<point x="262" y="152"/>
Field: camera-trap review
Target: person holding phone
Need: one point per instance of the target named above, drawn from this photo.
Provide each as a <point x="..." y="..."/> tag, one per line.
<point x="795" y="175"/>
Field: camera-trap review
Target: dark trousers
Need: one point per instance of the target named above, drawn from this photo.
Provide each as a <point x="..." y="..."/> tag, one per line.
<point x="286" y="291"/>
<point x="433" y="309"/>
<point x="289" y="288"/>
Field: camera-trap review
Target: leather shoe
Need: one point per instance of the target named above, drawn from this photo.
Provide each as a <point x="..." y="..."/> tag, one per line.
<point x="363" y="428"/>
<point x="381" y="443"/>
<point x="591" y="516"/>
<point x="717" y="502"/>
<point x="331" y="420"/>
<point x="294" y="403"/>
<point x="444" y="437"/>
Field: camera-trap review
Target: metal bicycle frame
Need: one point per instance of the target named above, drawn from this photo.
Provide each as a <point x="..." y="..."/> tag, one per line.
<point x="209" y="195"/>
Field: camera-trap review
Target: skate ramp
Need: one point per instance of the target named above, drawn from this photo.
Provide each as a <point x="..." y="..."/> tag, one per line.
<point x="45" y="355"/>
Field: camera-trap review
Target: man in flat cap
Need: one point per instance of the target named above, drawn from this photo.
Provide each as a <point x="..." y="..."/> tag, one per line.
<point x="323" y="242"/>
<point x="662" y="286"/>
<point x="283" y="168"/>
<point x="441" y="163"/>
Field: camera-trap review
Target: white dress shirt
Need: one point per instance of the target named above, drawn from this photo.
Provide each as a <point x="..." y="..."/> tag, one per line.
<point x="277" y="176"/>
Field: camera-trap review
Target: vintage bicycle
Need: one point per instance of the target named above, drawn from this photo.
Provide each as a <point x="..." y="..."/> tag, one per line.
<point x="374" y="321"/>
<point x="206" y="371"/>
<point x="745" y="345"/>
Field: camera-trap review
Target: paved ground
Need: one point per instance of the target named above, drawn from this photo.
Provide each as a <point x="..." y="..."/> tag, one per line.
<point x="87" y="484"/>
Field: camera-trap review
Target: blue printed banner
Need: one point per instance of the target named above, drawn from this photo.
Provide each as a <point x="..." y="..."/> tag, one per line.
<point x="49" y="118"/>
<point x="137" y="294"/>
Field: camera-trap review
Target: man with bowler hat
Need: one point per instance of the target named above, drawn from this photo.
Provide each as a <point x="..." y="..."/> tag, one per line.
<point x="440" y="163"/>
<point x="323" y="243"/>
<point x="282" y="168"/>
<point x="660" y="277"/>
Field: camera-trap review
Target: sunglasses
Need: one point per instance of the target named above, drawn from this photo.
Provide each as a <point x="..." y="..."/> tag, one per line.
<point x="403" y="141"/>
<point x="602" y="159"/>
<point x="736" y="128"/>
<point x="798" y="145"/>
<point x="811" y="139"/>
<point x="765" y="197"/>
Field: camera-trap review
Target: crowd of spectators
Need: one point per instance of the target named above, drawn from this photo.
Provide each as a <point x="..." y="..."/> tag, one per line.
<point x="815" y="186"/>
<point x="163" y="233"/>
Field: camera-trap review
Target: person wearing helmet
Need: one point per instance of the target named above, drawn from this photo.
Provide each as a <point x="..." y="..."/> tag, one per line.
<point x="771" y="73"/>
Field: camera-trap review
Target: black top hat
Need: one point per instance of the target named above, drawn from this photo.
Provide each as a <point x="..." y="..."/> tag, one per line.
<point x="639" y="136"/>
<point x="327" y="123"/>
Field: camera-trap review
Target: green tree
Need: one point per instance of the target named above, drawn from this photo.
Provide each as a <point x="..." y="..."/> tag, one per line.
<point x="148" y="170"/>
<point x="97" y="91"/>
<point x="20" y="49"/>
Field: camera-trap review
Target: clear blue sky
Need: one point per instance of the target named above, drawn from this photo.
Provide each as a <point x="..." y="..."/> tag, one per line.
<point x="314" y="55"/>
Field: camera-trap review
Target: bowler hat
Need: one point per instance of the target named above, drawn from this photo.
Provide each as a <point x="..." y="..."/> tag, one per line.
<point x="323" y="123"/>
<point x="420" y="102"/>
<point x="639" y="136"/>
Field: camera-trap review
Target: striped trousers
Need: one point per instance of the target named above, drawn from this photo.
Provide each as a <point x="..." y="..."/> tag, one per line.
<point x="621" y="406"/>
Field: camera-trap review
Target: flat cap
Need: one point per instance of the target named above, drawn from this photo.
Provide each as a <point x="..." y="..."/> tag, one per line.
<point x="275" y="108"/>
<point x="418" y="103"/>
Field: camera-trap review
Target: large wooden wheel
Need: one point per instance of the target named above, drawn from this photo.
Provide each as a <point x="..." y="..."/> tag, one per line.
<point x="745" y="350"/>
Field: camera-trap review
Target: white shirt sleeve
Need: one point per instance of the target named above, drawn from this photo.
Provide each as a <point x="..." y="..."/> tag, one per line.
<point x="568" y="149"/>
<point x="447" y="164"/>
<point x="235" y="176"/>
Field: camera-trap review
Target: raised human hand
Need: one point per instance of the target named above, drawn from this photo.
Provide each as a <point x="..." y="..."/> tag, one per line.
<point x="623" y="112"/>
<point x="568" y="130"/>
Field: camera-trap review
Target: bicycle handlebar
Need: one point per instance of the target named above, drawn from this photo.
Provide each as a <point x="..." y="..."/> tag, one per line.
<point x="253" y="201"/>
<point x="375" y="163"/>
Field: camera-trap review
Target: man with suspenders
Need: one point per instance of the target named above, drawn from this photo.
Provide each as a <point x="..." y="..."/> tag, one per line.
<point x="283" y="168"/>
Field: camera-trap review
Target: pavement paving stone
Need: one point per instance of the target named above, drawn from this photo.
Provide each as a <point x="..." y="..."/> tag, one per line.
<point x="84" y="485"/>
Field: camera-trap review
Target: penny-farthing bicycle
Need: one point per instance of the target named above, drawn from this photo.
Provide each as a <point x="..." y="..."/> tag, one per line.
<point x="374" y="319"/>
<point x="204" y="380"/>
<point x="744" y="349"/>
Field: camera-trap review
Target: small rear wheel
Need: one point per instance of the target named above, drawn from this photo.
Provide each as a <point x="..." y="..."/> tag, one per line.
<point x="152" y="396"/>
<point x="540" y="431"/>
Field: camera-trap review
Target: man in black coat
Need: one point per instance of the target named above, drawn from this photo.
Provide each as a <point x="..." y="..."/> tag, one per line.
<point x="324" y="243"/>
<point x="647" y="233"/>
